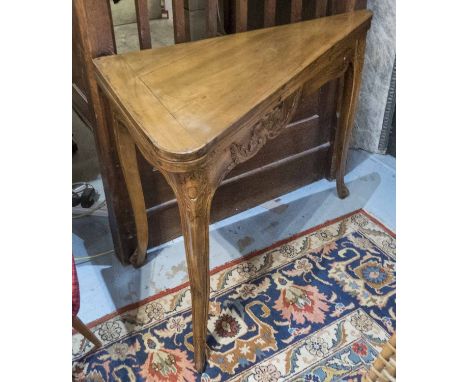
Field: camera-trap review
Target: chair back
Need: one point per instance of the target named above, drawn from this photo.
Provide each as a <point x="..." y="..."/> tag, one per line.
<point x="238" y="14"/>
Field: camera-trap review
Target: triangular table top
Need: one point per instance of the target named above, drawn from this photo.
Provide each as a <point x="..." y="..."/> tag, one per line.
<point x="184" y="97"/>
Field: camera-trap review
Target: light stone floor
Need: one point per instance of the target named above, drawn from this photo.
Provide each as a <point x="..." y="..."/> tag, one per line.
<point x="106" y="285"/>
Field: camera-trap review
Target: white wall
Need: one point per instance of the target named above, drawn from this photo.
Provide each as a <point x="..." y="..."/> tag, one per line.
<point x="377" y="73"/>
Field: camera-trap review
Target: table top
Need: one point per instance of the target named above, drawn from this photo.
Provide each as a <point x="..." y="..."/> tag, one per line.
<point x="183" y="98"/>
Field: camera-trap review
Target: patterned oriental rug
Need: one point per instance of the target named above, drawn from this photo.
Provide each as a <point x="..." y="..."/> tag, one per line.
<point x="316" y="307"/>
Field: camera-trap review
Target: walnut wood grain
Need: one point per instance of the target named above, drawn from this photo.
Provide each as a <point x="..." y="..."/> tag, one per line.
<point x="96" y="37"/>
<point x="181" y="27"/>
<point x="320" y="9"/>
<point x="241" y="15"/>
<point x="296" y="11"/>
<point x="195" y="118"/>
<point x="143" y="24"/>
<point x="211" y="18"/>
<point x="269" y="13"/>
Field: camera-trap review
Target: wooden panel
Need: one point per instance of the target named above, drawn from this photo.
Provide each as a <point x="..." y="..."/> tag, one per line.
<point x="96" y="34"/>
<point x="342" y="6"/>
<point x="100" y="31"/>
<point x="81" y="106"/>
<point x="79" y="80"/>
<point x="328" y="118"/>
<point x="229" y="16"/>
<point x="155" y="188"/>
<point x="320" y="9"/>
<point x="240" y="194"/>
<point x="211" y="8"/>
<point x="297" y="138"/>
<point x="296" y="10"/>
<point x="360" y="4"/>
<point x="93" y="36"/>
<point x="269" y="13"/>
<point x="181" y="27"/>
<point x="269" y="182"/>
<point x="241" y="15"/>
<point x="143" y="25"/>
<point x="314" y="9"/>
<point x="308" y="105"/>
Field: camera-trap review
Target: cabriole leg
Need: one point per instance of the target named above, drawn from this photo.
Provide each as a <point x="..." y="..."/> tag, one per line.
<point x="194" y="197"/>
<point x="352" y="83"/>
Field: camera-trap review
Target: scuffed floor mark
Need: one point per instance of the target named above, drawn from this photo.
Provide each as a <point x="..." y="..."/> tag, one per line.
<point x="370" y="177"/>
<point x="280" y="209"/>
<point x="275" y="206"/>
<point x="155" y="286"/>
<point x="245" y="242"/>
<point x="132" y="292"/>
<point x="181" y="267"/>
<point x="270" y="226"/>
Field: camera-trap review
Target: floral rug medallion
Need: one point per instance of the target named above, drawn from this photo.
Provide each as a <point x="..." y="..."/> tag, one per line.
<point x="316" y="307"/>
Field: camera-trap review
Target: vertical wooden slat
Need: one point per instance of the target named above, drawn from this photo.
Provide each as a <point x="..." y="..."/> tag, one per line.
<point x="342" y="6"/>
<point x="320" y="8"/>
<point x="296" y="10"/>
<point x="241" y="16"/>
<point x="97" y="31"/>
<point x="94" y="22"/>
<point x="349" y="5"/>
<point x="181" y="30"/>
<point x="360" y="4"/>
<point x="269" y="13"/>
<point x="142" y="17"/>
<point x="211" y="7"/>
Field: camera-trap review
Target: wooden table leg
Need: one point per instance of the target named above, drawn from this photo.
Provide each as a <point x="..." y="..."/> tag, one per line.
<point x="127" y="155"/>
<point x="81" y="328"/>
<point x="352" y="84"/>
<point x="194" y="196"/>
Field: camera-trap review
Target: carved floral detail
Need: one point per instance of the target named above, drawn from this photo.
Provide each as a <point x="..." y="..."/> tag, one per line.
<point x="196" y="194"/>
<point x="269" y="127"/>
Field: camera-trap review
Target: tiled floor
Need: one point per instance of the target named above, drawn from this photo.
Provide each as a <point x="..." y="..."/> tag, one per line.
<point x="107" y="285"/>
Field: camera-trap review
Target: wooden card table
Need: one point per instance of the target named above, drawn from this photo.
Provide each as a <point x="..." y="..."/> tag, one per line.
<point x="196" y="110"/>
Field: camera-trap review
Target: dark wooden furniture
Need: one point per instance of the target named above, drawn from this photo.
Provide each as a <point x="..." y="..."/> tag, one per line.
<point x="196" y="111"/>
<point x="97" y="37"/>
<point x="278" y="168"/>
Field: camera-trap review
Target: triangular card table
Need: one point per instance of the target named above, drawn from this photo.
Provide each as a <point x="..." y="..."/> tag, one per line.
<point x="196" y="110"/>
